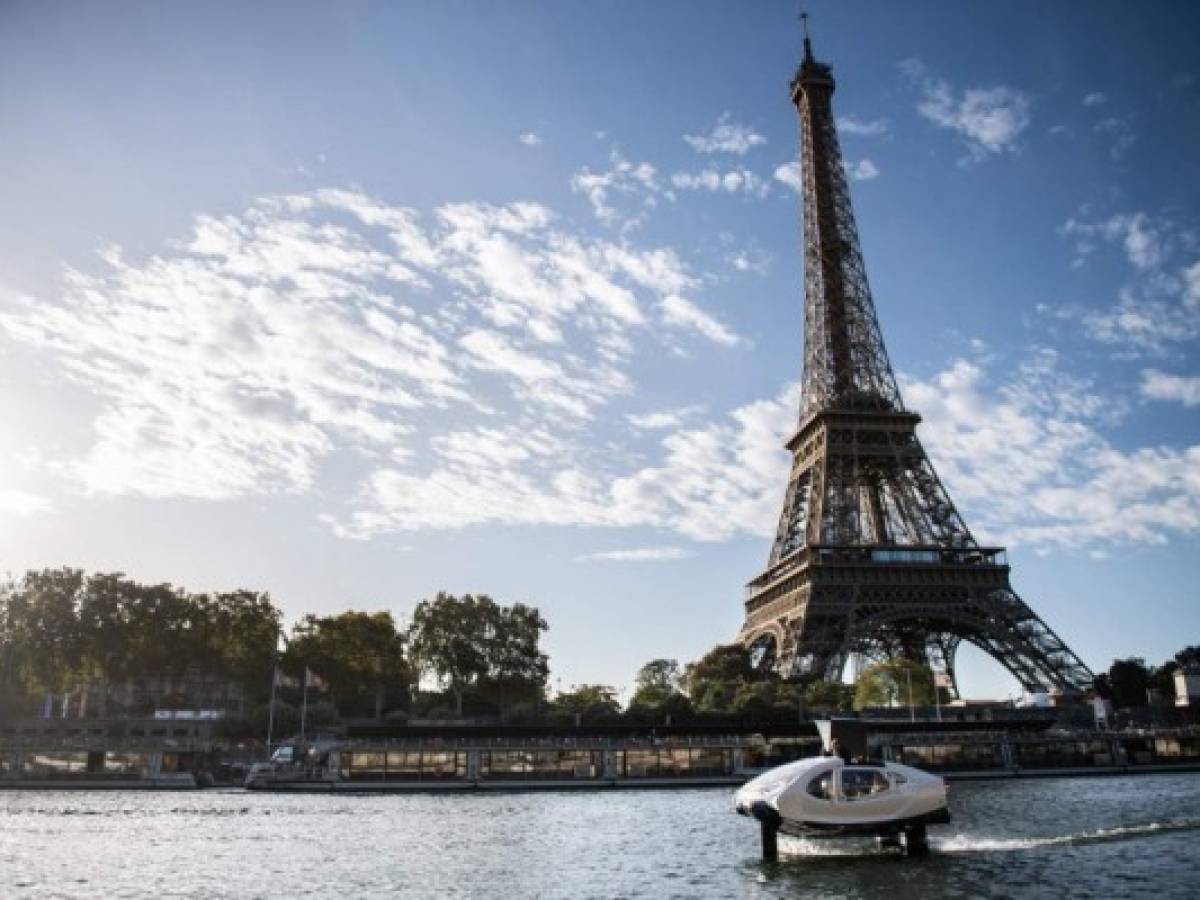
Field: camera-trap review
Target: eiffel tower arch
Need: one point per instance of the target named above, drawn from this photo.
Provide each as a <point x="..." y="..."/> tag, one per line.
<point x="871" y="556"/>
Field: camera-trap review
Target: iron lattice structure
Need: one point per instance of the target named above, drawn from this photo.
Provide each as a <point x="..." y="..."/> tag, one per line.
<point x="871" y="557"/>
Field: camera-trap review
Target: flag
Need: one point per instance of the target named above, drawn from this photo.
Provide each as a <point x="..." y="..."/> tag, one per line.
<point x="284" y="680"/>
<point x="315" y="681"/>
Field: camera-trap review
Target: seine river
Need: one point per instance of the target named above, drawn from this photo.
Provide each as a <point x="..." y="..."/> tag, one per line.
<point x="1062" y="837"/>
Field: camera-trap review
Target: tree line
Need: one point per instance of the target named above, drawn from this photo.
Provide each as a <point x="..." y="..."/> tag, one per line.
<point x="1130" y="683"/>
<point x="65" y="633"/>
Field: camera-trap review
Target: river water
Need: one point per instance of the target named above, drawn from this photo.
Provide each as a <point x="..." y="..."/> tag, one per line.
<point x="1061" y="837"/>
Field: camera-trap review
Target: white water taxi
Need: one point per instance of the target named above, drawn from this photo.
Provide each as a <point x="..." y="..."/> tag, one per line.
<point x="825" y="796"/>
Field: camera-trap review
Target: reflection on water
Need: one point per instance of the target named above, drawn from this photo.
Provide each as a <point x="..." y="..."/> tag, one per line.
<point x="1103" y="837"/>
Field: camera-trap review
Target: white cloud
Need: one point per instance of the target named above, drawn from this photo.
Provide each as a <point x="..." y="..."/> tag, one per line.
<point x="990" y="120"/>
<point x="668" y="418"/>
<point x="1145" y="239"/>
<point x="640" y="554"/>
<point x="243" y="358"/>
<point x="731" y="181"/>
<point x="622" y="178"/>
<point x="1026" y="465"/>
<point x="494" y="352"/>
<point x="1022" y="457"/>
<point x="1095" y="99"/>
<point x="682" y="313"/>
<point x="719" y="479"/>
<point x="1183" y="389"/>
<point x="750" y="259"/>
<point x="530" y="139"/>
<point x="22" y="503"/>
<point x="862" y="170"/>
<point x="726" y="136"/>
<point x="862" y="127"/>
<point x="1139" y="324"/>
<point x="789" y="174"/>
<point x="1191" y="286"/>
<point x="1156" y="308"/>
<point x="714" y="481"/>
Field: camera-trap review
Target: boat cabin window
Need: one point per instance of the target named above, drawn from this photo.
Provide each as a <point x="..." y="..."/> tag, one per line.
<point x="821" y="787"/>
<point x="859" y="783"/>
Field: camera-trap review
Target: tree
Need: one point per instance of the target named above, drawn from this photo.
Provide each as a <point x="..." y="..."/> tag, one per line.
<point x="713" y="696"/>
<point x="724" y="662"/>
<point x="1126" y="682"/>
<point x="714" y="681"/>
<point x="517" y="669"/>
<point x="44" y="637"/>
<point x="823" y="694"/>
<point x="1161" y="682"/>
<point x="655" y="682"/>
<point x="896" y="682"/>
<point x="62" y="629"/>
<point x="590" y="702"/>
<point x="1188" y="656"/>
<point x="473" y="642"/>
<point x="360" y="655"/>
<point x="657" y="690"/>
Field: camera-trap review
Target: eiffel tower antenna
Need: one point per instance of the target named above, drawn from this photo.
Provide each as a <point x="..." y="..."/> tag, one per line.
<point x="870" y="556"/>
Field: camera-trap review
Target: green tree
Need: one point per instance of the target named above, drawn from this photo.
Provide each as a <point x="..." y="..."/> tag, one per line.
<point x="821" y="694"/>
<point x="361" y="656"/>
<point x="724" y="662"/>
<point x="712" y="680"/>
<point x="471" y="642"/>
<point x="771" y="699"/>
<point x="243" y="631"/>
<point x="11" y="683"/>
<point x="663" y="674"/>
<point x="1188" y="656"/>
<point x="164" y="631"/>
<point x="517" y="668"/>
<point x="713" y="696"/>
<point x="655" y="682"/>
<point x="896" y="682"/>
<point x="657" y="691"/>
<point x="591" y="702"/>
<point x="44" y="636"/>
<point x="1125" y="683"/>
<point x="1161" y="680"/>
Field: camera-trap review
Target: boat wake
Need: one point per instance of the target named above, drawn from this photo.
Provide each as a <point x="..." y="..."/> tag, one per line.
<point x="969" y="843"/>
<point x="965" y="843"/>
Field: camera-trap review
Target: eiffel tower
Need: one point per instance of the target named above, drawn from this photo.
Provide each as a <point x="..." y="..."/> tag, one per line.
<point x="870" y="556"/>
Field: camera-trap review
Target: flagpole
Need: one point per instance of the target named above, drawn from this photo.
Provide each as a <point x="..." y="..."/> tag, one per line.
<point x="271" y="709"/>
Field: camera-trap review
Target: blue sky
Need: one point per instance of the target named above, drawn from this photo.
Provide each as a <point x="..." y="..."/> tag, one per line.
<point x="355" y="302"/>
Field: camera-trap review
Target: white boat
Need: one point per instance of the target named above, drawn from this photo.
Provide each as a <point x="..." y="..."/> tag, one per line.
<point x="824" y="796"/>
